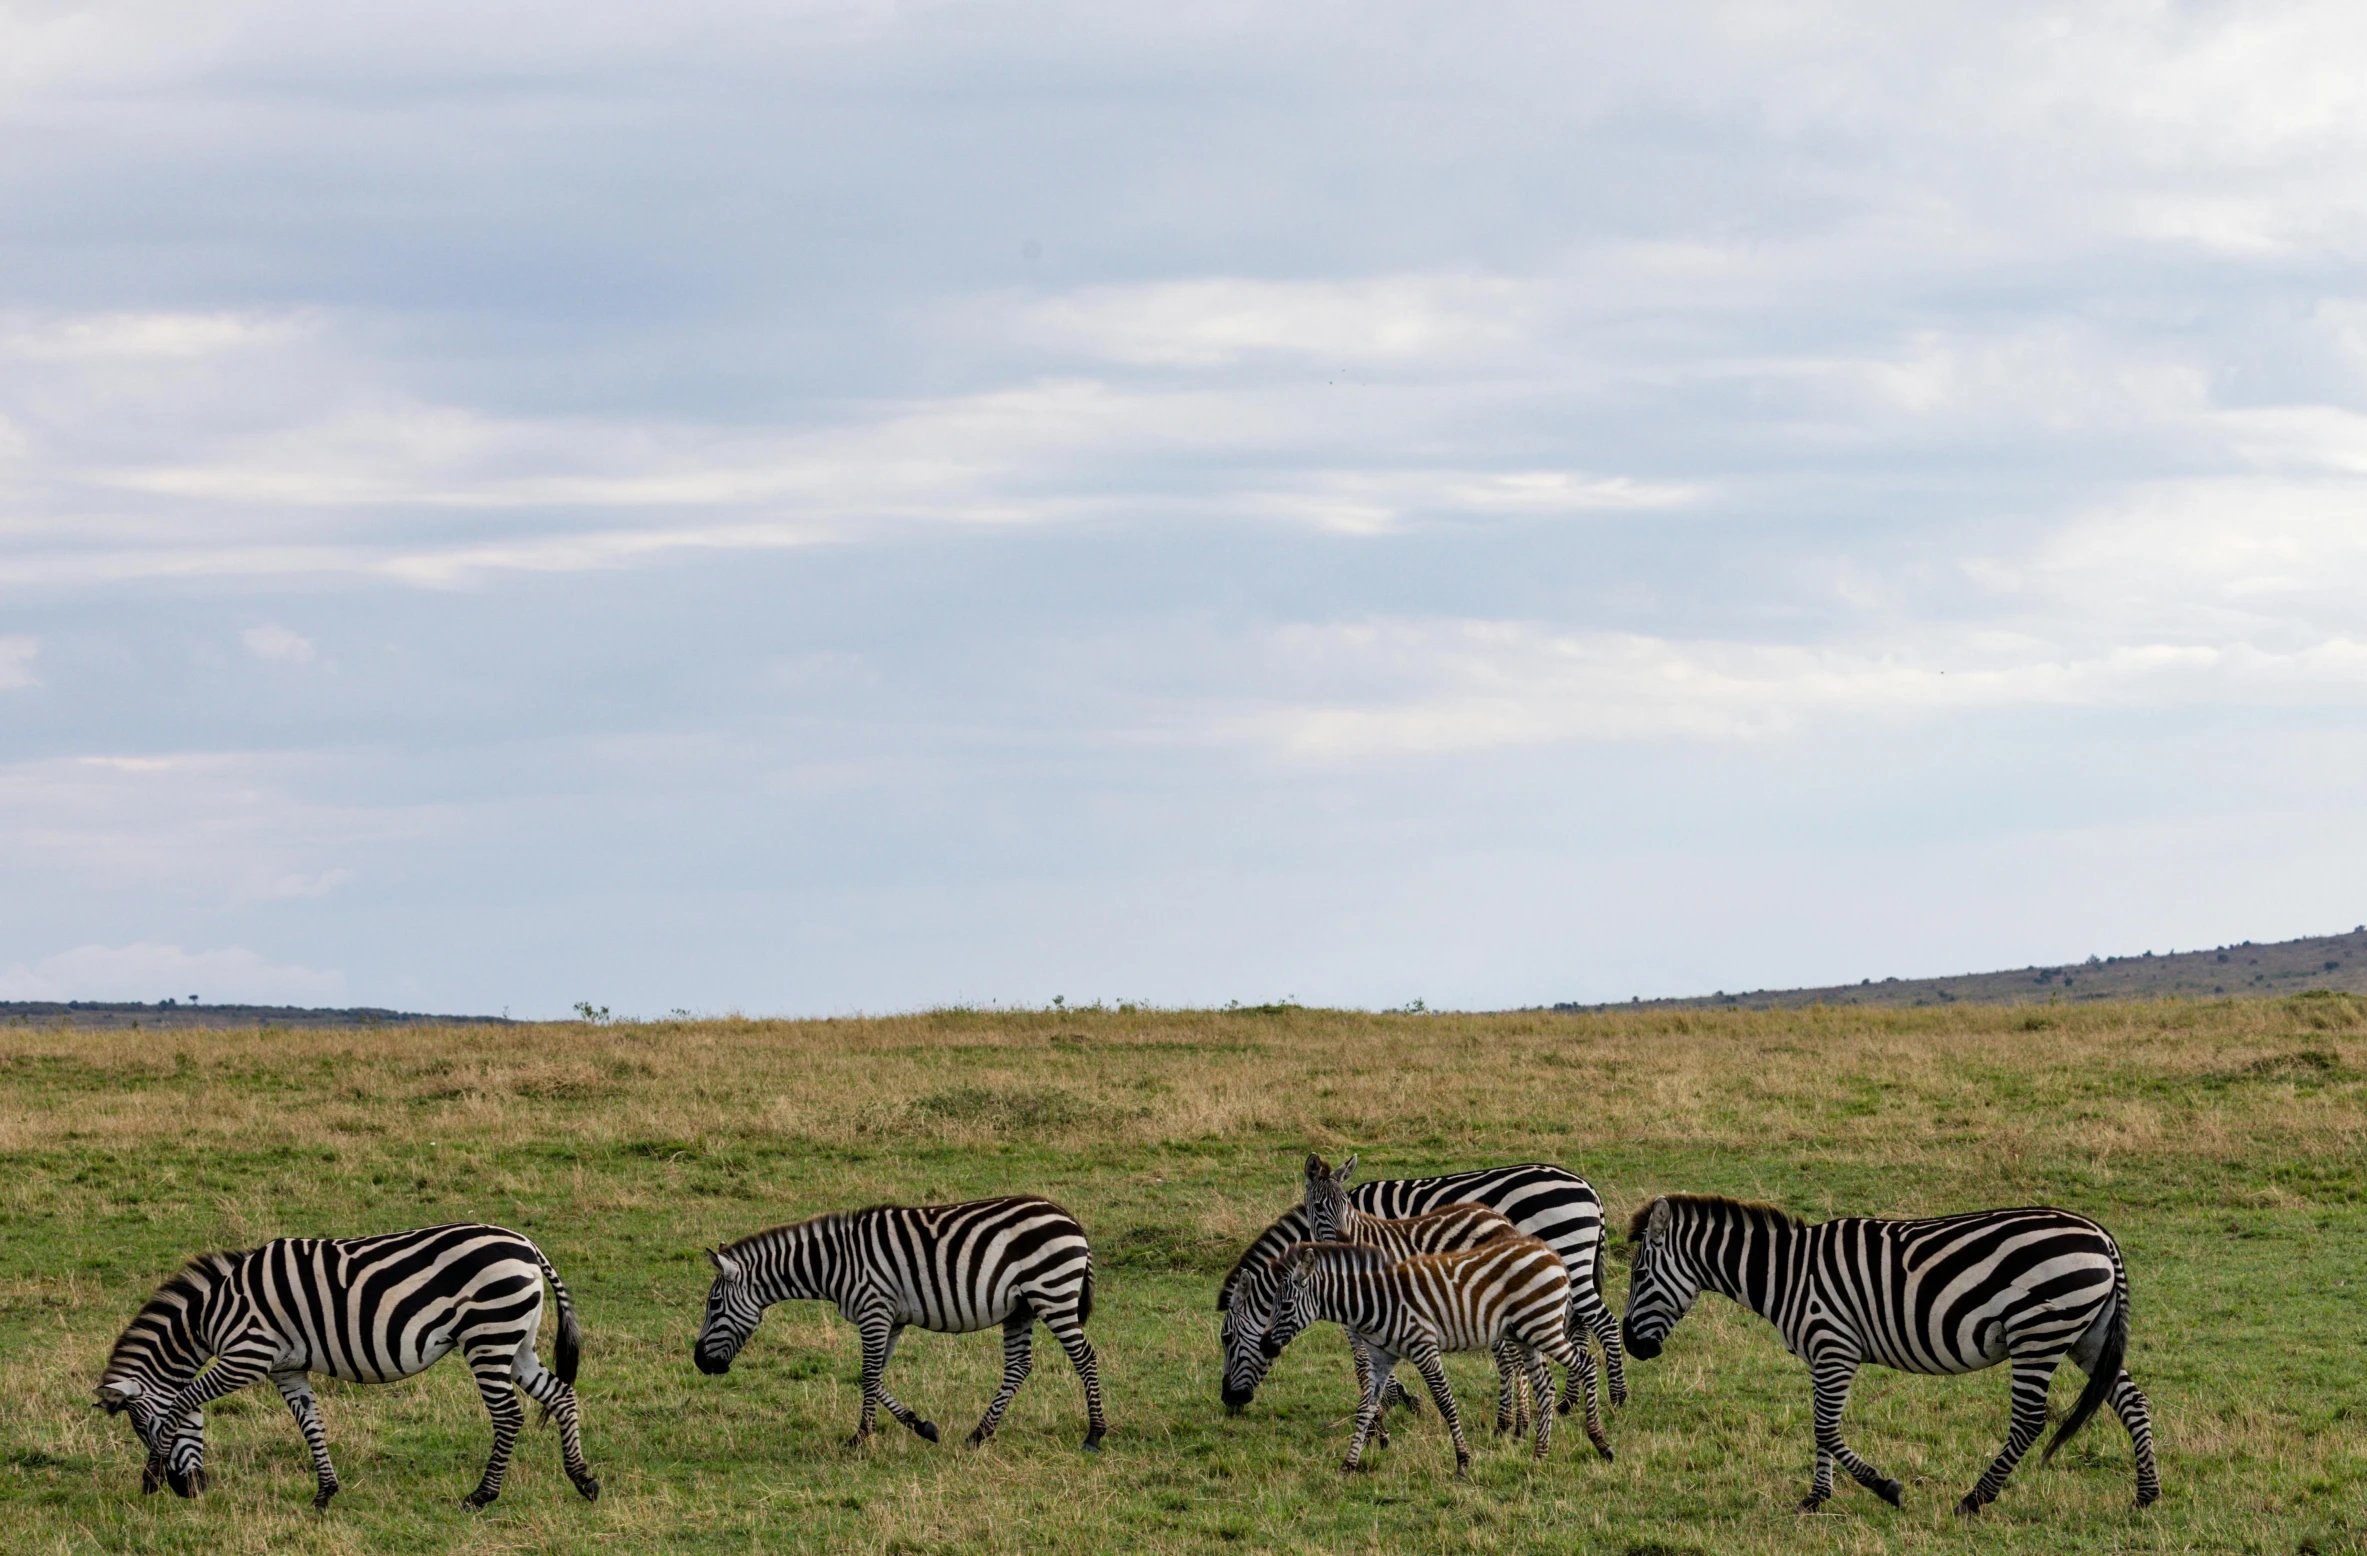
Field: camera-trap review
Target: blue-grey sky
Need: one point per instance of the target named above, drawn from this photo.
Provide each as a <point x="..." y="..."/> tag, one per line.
<point x="858" y="506"/>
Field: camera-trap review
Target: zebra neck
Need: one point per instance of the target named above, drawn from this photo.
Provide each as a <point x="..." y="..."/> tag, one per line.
<point x="808" y="1262"/>
<point x="1751" y="1256"/>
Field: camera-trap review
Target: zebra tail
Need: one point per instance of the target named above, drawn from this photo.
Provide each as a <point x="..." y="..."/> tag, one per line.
<point x="2104" y="1374"/>
<point x="1085" y="1297"/>
<point x="567" y="1346"/>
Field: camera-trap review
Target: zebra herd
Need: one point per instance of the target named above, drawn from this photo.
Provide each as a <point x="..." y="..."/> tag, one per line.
<point x="1506" y="1260"/>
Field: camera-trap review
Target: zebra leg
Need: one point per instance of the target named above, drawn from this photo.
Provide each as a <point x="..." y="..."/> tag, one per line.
<point x="1511" y="1416"/>
<point x="1833" y="1375"/>
<point x="296" y="1389"/>
<point x="2130" y="1406"/>
<point x="879" y="1344"/>
<point x="1581" y="1365"/>
<point x="1071" y="1335"/>
<point x="1373" y="1389"/>
<point x="182" y="1426"/>
<point x="557" y="1400"/>
<point x="1363" y="1357"/>
<point x="2031" y="1376"/>
<point x="1541" y="1380"/>
<point x="1434" y="1373"/>
<point x="1018" y="1357"/>
<point x="493" y="1373"/>
<point x="1589" y="1311"/>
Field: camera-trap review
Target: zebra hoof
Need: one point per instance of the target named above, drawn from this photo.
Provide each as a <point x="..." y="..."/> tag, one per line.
<point x="1605" y="1450"/>
<point x="1462" y="1468"/>
<point x="1892" y="1492"/>
<point x="1967" y="1508"/>
<point x="320" y="1499"/>
<point x="1810" y="1504"/>
<point x="925" y="1430"/>
<point x="1092" y="1442"/>
<point x="1618" y="1397"/>
<point x="2146" y="1499"/>
<point x="590" y="1488"/>
<point x="977" y="1438"/>
<point x="480" y="1498"/>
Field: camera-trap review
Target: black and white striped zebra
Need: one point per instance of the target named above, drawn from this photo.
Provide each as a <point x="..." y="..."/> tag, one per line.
<point x="1513" y="1292"/>
<point x="1448" y="1229"/>
<point x="364" y="1309"/>
<point x="1947" y="1295"/>
<point x="948" y="1268"/>
<point x="1544" y="1201"/>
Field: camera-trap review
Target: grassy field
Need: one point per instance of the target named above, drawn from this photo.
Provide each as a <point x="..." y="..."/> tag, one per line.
<point x="2221" y="1141"/>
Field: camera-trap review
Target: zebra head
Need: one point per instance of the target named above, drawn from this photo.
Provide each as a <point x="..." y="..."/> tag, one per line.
<point x="1662" y="1287"/>
<point x="1326" y="1204"/>
<point x="1248" y="1301"/>
<point x="152" y="1363"/>
<point x="1290" y="1312"/>
<point x="733" y="1312"/>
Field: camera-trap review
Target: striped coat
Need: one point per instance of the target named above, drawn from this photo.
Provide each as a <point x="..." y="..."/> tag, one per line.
<point x="1542" y="1200"/>
<point x="363" y="1309"/>
<point x="949" y="1268"/>
<point x="1513" y="1292"/>
<point x="1951" y="1294"/>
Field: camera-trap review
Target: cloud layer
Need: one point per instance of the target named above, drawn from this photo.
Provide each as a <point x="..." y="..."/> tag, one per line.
<point x="936" y="502"/>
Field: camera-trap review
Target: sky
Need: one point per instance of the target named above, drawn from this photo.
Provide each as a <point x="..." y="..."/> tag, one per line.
<point x="855" y="507"/>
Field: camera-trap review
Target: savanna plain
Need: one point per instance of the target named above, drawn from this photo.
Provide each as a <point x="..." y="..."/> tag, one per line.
<point x="2220" y="1140"/>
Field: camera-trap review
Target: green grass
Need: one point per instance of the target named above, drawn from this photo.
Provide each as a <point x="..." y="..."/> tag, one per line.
<point x="2221" y="1141"/>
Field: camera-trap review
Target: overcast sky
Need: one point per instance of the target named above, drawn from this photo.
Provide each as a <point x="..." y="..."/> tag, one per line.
<point x="864" y="506"/>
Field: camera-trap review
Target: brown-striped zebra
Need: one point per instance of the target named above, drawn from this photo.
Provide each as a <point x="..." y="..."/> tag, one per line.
<point x="1541" y="1199"/>
<point x="364" y="1309"/>
<point x="948" y="1268"/>
<point x="1510" y="1291"/>
<point x="1948" y="1295"/>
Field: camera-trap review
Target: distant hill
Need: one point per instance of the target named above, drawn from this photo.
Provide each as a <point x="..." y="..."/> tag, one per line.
<point x="99" y="1013"/>
<point x="2246" y="970"/>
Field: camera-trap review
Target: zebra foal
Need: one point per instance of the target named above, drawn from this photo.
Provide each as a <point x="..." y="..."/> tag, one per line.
<point x="1512" y="1292"/>
<point x="1331" y="1218"/>
<point x="1541" y="1200"/>
<point x="364" y="1309"/>
<point x="1948" y="1295"/>
<point x="952" y="1269"/>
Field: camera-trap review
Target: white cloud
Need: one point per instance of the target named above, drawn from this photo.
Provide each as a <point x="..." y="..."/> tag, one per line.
<point x="16" y="662"/>
<point x="230" y="975"/>
<point x="1222" y="320"/>
<point x="273" y="641"/>
<point x="1448" y="686"/>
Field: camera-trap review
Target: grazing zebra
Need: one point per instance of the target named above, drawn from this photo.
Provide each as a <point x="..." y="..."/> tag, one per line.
<point x="1541" y="1200"/>
<point x="1947" y="1295"/>
<point x="364" y="1309"/>
<point x="949" y="1268"/>
<point x="1448" y="1229"/>
<point x="1513" y="1292"/>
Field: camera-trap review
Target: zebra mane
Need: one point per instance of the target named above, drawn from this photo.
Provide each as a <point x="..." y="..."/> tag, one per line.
<point x="187" y="1285"/>
<point x="732" y="1249"/>
<point x="1287" y="1228"/>
<point x="1711" y="1202"/>
<point x="1339" y="1256"/>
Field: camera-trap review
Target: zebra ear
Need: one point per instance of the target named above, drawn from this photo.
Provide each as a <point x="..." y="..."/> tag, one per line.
<point x="1317" y="1167"/>
<point x="1347" y="1171"/>
<point x="1656" y="1223"/>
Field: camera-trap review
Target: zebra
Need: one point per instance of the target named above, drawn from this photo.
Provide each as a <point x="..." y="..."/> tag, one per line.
<point x="1947" y="1295"/>
<point x="1541" y="1200"/>
<point x="953" y="1269"/>
<point x="1445" y="1230"/>
<point x="1513" y="1292"/>
<point x="364" y="1309"/>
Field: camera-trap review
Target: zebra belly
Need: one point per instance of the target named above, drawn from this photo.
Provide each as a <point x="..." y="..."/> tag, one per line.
<point x="954" y="1315"/>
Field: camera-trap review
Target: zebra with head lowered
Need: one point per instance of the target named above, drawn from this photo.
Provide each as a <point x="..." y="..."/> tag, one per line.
<point x="1947" y="1295"/>
<point x="1513" y="1293"/>
<point x="948" y="1268"/>
<point x="1543" y="1201"/>
<point x="364" y="1309"/>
